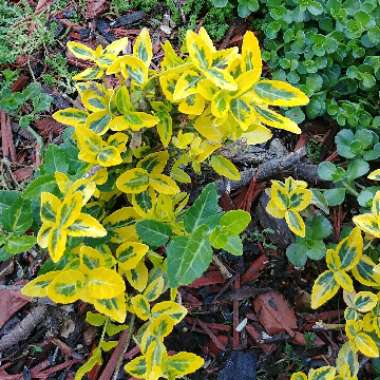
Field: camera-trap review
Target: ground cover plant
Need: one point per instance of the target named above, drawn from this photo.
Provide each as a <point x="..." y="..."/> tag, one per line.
<point x="163" y="213"/>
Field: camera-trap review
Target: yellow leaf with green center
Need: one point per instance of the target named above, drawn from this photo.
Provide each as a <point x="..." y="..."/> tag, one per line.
<point x="38" y="286"/>
<point x="155" y="357"/>
<point x="102" y="283"/>
<point x="168" y="84"/>
<point x="91" y="73"/>
<point x="123" y="100"/>
<point x="81" y="51"/>
<point x="116" y="47"/>
<point x="109" y="156"/>
<point x="295" y="223"/>
<point x="73" y="117"/>
<point x="369" y="223"/>
<point x="89" y="144"/>
<point x="344" y="280"/>
<point x="183" y="364"/>
<point x="192" y="105"/>
<point x="129" y="254"/>
<point x="225" y="59"/>
<point x="224" y="167"/>
<point x="134" y="121"/>
<point x="93" y="101"/>
<point x="50" y="206"/>
<point x="275" y="211"/>
<point x="299" y="199"/>
<point x="86" y="226"/>
<point x="118" y="140"/>
<point x="375" y="175"/>
<point x="251" y="56"/>
<point x="207" y="40"/>
<point x="207" y="89"/>
<point x="66" y="286"/>
<point x="291" y="184"/>
<point x="85" y="186"/>
<point x="133" y="181"/>
<point x="186" y="85"/>
<point x="70" y="209"/>
<point x="209" y="128"/>
<point x="154" y="162"/>
<point x="136" y="367"/>
<point x="154" y="289"/>
<point x="114" y="307"/>
<point x="275" y="120"/>
<point x="171" y="309"/>
<point x="325" y="287"/>
<point x="199" y="50"/>
<point x="43" y="235"/>
<point x="163" y="184"/>
<point x="365" y="301"/>
<point x="242" y="112"/>
<point x="142" y="47"/>
<point x="57" y="239"/>
<point x="141" y="307"/>
<point x="133" y="68"/>
<point x="257" y="134"/>
<point x="164" y="127"/>
<point x="138" y="276"/>
<point x="375" y="208"/>
<point x="279" y="195"/>
<point x="364" y="272"/>
<point x="99" y="122"/>
<point x="279" y="93"/>
<point x="220" y="104"/>
<point x="220" y="78"/>
<point x="347" y="362"/>
<point x="144" y="202"/>
<point x="350" y="250"/>
<point x="90" y="258"/>
<point x="366" y="345"/>
<point x="161" y="326"/>
<point x="322" y="373"/>
<point x="171" y="59"/>
<point x="105" y="60"/>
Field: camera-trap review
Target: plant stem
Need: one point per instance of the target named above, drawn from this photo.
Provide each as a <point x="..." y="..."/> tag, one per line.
<point x="350" y="189"/>
<point x="121" y="357"/>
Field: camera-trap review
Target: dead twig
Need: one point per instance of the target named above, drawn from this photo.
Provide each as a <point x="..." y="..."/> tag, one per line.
<point x="24" y="328"/>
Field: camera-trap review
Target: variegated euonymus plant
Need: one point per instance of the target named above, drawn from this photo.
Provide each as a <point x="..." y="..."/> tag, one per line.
<point x="119" y="231"/>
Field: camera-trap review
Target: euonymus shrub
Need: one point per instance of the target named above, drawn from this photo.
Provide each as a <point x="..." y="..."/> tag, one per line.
<point x="349" y="269"/>
<point x="118" y="230"/>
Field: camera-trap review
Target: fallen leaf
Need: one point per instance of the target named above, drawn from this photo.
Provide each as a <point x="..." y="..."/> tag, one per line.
<point x="47" y="126"/>
<point x="23" y="174"/>
<point x="11" y="301"/>
<point x="96" y="7"/>
<point x="274" y="313"/>
<point x="210" y="278"/>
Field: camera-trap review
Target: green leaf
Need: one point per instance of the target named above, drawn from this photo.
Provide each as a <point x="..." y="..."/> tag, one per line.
<point x="234" y="245"/>
<point x="335" y="197"/>
<point x="95" y="319"/>
<point x="357" y="168"/>
<point x="235" y="221"/>
<point x="327" y="170"/>
<point x="205" y="210"/>
<point x="153" y="233"/>
<point x="219" y="3"/>
<point x="316" y="250"/>
<point x="296" y="254"/>
<point x="188" y="257"/>
<point x="7" y="199"/>
<point x="37" y="186"/>
<point x="319" y="200"/>
<point x="54" y="160"/>
<point x="318" y="227"/>
<point x="18" y="244"/>
<point x="18" y="218"/>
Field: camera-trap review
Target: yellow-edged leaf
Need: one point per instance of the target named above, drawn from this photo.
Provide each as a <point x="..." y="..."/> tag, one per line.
<point x="322" y="373"/>
<point x="129" y="254"/>
<point x="117" y="47"/>
<point x="186" y="85"/>
<point x="154" y="162"/>
<point x="50" y="206"/>
<point x="375" y="175"/>
<point x="192" y="105"/>
<point x="103" y="283"/>
<point x="199" y="50"/>
<point x="73" y="117"/>
<point x="142" y="47"/>
<point x="251" y="56"/>
<point x="66" y="286"/>
<point x="91" y="73"/>
<point x="295" y="223"/>
<point x="257" y="134"/>
<point x="81" y="51"/>
<point x="134" y="121"/>
<point x="223" y="166"/>
<point x="43" y="235"/>
<point x="133" y="68"/>
<point x="57" y="239"/>
<point x="279" y="93"/>
<point x="38" y="286"/>
<point x="138" y="276"/>
<point x="344" y="280"/>
<point x="109" y="156"/>
<point x="141" y="307"/>
<point x="325" y="287"/>
<point x="136" y="367"/>
<point x="350" y="250"/>
<point x="298" y="376"/>
<point x="368" y="223"/>
<point x="163" y="184"/>
<point x="114" y="307"/>
<point x="366" y="345"/>
<point x="364" y="272"/>
<point x="182" y="364"/>
<point x="170" y="308"/>
<point x="154" y="289"/>
<point x="86" y="226"/>
<point x="133" y="181"/>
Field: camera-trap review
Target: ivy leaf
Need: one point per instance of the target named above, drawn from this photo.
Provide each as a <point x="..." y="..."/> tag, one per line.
<point x="205" y="210"/>
<point x="153" y="233"/>
<point x="54" y="160"/>
<point x="188" y="257"/>
<point x="7" y="199"/>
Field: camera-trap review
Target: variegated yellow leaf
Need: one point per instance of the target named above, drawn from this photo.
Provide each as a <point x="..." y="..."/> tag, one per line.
<point x="99" y="122"/>
<point x="50" y="206"/>
<point x="133" y="181"/>
<point x="66" y="286"/>
<point x="57" y="239"/>
<point x="129" y="254"/>
<point x="199" y="50"/>
<point x="138" y="276"/>
<point x="117" y="47"/>
<point x="114" y="307"/>
<point x="141" y="307"/>
<point x="251" y="56"/>
<point x="134" y="121"/>
<point x="364" y="272"/>
<point x="322" y="373"/>
<point x="136" y="367"/>
<point x="221" y="78"/>
<point x="183" y="364"/>
<point x="170" y="308"/>
<point x="133" y="68"/>
<point x="163" y="184"/>
<point x="142" y="47"/>
<point x="375" y="175"/>
<point x="73" y="117"/>
<point x="109" y="156"/>
<point x="90" y="73"/>
<point x="223" y="166"/>
<point x="81" y="51"/>
<point x="192" y="105"/>
<point x="86" y="226"/>
<point x="295" y="223"/>
<point x="154" y="162"/>
<point x="325" y="287"/>
<point x="344" y="280"/>
<point x="38" y="286"/>
<point x="186" y="85"/>
<point x="368" y="223"/>
<point x="154" y="289"/>
<point x="70" y="209"/>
